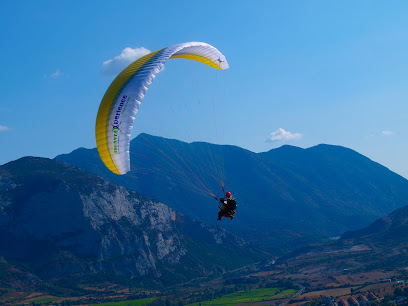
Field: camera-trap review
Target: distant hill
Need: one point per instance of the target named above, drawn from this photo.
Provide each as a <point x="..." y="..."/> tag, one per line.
<point x="386" y="240"/>
<point x="389" y="231"/>
<point x="284" y="195"/>
<point x="381" y="246"/>
<point x="60" y="222"/>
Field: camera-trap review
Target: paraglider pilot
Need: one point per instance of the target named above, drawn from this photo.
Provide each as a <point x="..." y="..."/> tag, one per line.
<point x="227" y="206"/>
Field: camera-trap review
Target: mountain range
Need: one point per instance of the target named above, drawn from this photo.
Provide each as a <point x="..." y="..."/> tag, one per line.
<point x="70" y="219"/>
<point x="286" y="196"/>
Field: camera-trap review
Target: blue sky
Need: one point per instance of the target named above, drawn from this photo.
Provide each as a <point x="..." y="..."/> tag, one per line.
<point x="301" y="73"/>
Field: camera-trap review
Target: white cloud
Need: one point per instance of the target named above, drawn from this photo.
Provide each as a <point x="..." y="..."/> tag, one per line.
<point x="55" y="75"/>
<point x="3" y="128"/>
<point x="387" y="132"/>
<point x="114" y="66"/>
<point x="282" y="135"/>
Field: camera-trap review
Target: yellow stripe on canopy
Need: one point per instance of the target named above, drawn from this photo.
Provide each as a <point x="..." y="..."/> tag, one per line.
<point x="198" y="59"/>
<point x="102" y="117"/>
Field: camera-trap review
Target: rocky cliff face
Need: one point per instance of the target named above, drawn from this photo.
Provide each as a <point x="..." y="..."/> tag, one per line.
<point x="65" y="221"/>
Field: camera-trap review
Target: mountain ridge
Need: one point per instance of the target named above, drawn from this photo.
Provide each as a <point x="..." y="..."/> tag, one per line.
<point x="323" y="190"/>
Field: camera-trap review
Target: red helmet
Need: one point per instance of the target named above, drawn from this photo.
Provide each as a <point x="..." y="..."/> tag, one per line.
<point x="228" y="194"/>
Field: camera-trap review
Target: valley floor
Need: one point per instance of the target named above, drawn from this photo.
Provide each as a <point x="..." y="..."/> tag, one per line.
<point x="309" y="277"/>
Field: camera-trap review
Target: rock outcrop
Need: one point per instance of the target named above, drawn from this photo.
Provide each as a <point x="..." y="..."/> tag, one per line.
<point x="64" y="221"/>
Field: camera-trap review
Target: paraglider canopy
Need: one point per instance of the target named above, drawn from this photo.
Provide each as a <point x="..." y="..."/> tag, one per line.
<point x="124" y="96"/>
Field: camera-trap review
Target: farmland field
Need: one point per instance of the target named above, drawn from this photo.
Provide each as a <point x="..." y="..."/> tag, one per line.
<point x="44" y="300"/>
<point x="127" y="303"/>
<point x="256" y="295"/>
